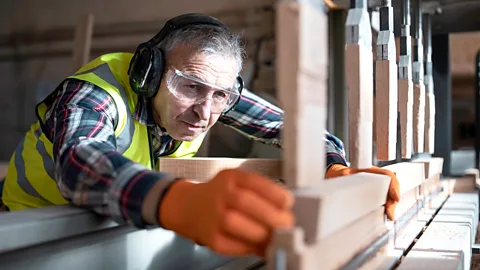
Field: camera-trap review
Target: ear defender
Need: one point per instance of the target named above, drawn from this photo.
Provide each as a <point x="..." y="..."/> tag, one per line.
<point x="146" y="70"/>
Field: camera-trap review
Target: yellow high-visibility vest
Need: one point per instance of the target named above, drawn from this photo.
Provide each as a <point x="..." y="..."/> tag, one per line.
<point x="30" y="180"/>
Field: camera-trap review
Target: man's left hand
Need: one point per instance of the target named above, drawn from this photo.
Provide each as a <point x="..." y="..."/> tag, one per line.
<point x="338" y="170"/>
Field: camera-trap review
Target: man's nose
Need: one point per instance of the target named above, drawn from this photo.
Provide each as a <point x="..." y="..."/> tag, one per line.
<point x="203" y="109"/>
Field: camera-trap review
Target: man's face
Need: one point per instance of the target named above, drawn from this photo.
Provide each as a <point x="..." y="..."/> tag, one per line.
<point x="186" y="120"/>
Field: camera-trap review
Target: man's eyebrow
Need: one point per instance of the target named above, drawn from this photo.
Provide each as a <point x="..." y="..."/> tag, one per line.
<point x="195" y="77"/>
<point x="200" y="79"/>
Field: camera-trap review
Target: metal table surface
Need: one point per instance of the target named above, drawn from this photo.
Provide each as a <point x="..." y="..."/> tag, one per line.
<point x="23" y="245"/>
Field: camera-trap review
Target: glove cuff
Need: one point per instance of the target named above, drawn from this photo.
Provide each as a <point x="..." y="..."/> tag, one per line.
<point x="174" y="203"/>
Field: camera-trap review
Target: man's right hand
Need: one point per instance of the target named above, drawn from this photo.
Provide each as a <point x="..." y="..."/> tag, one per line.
<point x="233" y="214"/>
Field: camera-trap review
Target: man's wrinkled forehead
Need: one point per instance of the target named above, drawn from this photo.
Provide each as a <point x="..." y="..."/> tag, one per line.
<point x="210" y="69"/>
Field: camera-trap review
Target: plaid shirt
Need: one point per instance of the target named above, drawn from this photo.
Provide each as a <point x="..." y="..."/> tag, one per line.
<point x="80" y="122"/>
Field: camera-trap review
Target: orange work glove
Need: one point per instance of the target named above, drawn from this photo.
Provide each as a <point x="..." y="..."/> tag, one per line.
<point x="233" y="214"/>
<point x="337" y="170"/>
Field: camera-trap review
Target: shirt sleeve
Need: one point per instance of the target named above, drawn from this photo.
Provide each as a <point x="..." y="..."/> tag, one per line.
<point x="89" y="171"/>
<point x="262" y="121"/>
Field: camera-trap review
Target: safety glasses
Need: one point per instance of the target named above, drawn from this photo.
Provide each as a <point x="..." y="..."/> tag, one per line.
<point x="191" y="90"/>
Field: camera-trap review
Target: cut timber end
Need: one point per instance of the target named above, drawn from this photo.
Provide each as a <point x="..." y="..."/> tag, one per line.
<point x="386" y="109"/>
<point x="317" y="208"/>
<point x="302" y="73"/>
<point x="418" y="117"/>
<point x="429" y="123"/>
<point x="359" y="73"/>
<point x="405" y="107"/>
<point x="204" y="169"/>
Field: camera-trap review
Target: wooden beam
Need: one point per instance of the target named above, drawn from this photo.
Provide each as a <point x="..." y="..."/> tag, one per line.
<point x="433" y="166"/>
<point x="409" y="174"/>
<point x="301" y="39"/>
<point x="330" y="206"/>
<point x="204" y="169"/>
<point x="405" y="84"/>
<point x="386" y="96"/>
<point x="444" y="240"/>
<point x="359" y="78"/>
<point x="83" y="41"/>
<point x="429" y="93"/>
<point x="418" y="83"/>
<point x="334" y="251"/>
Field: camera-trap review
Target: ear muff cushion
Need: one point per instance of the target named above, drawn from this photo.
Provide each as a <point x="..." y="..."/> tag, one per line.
<point x="138" y="71"/>
<point x="156" y="72"/>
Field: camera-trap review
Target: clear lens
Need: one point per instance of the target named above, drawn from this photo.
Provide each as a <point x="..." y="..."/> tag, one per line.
<point x="193" y="91"/>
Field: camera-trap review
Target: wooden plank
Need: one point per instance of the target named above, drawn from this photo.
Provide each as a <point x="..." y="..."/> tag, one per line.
<point x="204" y="169"/>
<point x="317" y="207"/>
<point x="441" y="260"/>
<point x="405" y="107"/>
<point x="326" y="254"/>
<point x="429" y="93"/>
<point x="407" y="201"/>
<point x="433" y="165"/>
<point x="429" y="122"/>
<point x="405" y="83"/>
<point x="468" y="182"/>
<point x="302" y="37"/>
<point x="410" y="177"/>
<point x="83" y="41"/>
<point x="430" y="185"/>
<point x="386" y="109"/>
<point x="465" y="184"/>
<point x="418" y="117"/>
<point x="464" y="202"/>
<point x="403" y="237"/>
<point x="409" y="174"/>
<point x="359" y="81"/>
<point x="418" y="79"/>
<point x="451" y="232"/>
<point x="389" y="255"/>
<point x="386" y="91"/>
<point x="439" y="238"/>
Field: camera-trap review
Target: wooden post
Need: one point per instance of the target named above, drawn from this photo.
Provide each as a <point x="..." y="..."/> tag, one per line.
<point x="386" y="86"/>
<point x="83" y="41"/>
<point x="302" y="38"/>
<point x="359" y="77"/>
<point x="418" y="84"/>
<point x="405" y="84"/>
<point x="430" y="96"/>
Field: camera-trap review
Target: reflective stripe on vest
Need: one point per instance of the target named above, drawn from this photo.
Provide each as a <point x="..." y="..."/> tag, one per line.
<point x="124" y="139"/>
<point x="20" y="164"/>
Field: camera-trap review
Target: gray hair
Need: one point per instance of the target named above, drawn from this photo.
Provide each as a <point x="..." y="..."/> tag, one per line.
<point x="207" y="39"/>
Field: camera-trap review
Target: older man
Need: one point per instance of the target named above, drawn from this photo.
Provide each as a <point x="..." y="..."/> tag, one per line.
<point x="99" y="134"/>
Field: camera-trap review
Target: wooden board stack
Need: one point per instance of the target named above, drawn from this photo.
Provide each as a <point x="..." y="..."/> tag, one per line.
<point x="328" y="213"/>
